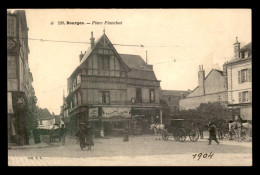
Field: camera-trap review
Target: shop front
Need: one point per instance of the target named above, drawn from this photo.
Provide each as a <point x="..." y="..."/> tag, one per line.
<point x="16" y="118"/>
<point x="144" y="117"/>
<point x="109" y="121"/>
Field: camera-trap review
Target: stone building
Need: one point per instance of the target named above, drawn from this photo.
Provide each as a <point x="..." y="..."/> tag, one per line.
<point x="111" y="91"/>
<point x="239" y="80"/>
<point x="20" y="92"/>
<point x="211" y="88"/>
<point x="172" y="98"/>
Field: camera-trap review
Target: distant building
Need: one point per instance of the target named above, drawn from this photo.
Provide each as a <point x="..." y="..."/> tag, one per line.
<point x="111" y="90"/>
<point x="20" y="92"/>
<point x="239" y="80"/>
<point x="172" y="98"/>
<point x="211" y="88"/>
<point x="46" y="120"/>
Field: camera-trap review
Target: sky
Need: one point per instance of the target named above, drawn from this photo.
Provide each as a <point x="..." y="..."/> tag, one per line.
<point x="192" y="37"/>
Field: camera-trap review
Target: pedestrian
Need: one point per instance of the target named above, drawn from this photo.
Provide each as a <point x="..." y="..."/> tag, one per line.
<point x="212" y="133"/>
<point x="239" y="127"/>
<point x="126" y="135"/>
<point x="89" y="139"/>
<point x="81" y="134"/>
<point x="62" y="134"/>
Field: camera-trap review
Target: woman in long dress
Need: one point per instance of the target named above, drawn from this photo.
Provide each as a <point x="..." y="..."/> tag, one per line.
<point x="89" y="139"/>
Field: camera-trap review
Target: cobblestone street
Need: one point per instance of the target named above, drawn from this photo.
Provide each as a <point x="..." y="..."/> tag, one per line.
<point x="139" y="151"/>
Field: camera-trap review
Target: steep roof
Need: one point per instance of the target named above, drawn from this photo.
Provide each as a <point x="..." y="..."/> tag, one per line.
<point x="219" y="71"/>
<point x="142" y="74"/>
<point x="134" y="62"/>
<point x="247" y="47"/>
<point x="43" y="114"/>
<point x="139" y="68"/>
<point x="174" y="93"/>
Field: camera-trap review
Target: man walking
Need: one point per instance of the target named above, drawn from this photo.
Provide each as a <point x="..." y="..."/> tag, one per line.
<point x="62" y="134"/>
<point x="81" y="134"/>
<point x="212" y="133"/>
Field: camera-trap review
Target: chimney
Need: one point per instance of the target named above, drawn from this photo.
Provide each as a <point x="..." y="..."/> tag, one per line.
<point x="92" y="41"/>
<point x="236" y="49"/>
<point x="201" y="78"/>
<point x="182" y="96"/>
<point x="81" y="56"/>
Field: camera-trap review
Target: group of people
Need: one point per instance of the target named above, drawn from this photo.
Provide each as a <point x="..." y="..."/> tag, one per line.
<point x="213" y="130"/>
<point x="85" y="136"/>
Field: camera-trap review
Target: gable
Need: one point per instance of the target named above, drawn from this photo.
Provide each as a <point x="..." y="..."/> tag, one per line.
<point x="214" y="82"/>
<point x="103" y="49"/>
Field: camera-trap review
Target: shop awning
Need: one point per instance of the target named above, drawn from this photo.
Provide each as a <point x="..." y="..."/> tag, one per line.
<point x="10" y="103"/>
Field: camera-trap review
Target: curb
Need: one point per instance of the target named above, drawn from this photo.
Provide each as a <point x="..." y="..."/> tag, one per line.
<point x="17" y="147"/>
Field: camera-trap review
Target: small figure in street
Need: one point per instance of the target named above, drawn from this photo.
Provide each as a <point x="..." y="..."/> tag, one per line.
<point x="126" y="135"/>
<point x="212" y="133"/>
<point x="62" y="134"/>
<point x="89" y="139"/>
<point x="239" y="127"/>
<point x="81" y="134"/>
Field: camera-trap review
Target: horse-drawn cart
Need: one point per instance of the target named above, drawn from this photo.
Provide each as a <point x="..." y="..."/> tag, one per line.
<point x="180" y="129"/>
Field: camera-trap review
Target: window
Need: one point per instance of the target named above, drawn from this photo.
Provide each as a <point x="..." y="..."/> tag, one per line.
<point x="11" y="67"/>
<point x="78" y="79"/>
<point x="175" y="108"/>
<point x="138" y="95"/>
<point x="152" y="96"/>
<point x="104" y="97"/>
<point x="242" y="54"/>
<point x="169" y="98"/>
<point x="245" y="75"/>
<point x="245" y="96"/>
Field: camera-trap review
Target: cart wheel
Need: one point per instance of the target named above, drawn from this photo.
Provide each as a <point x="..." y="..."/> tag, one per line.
<point x="194" y="135"/>
<point x="181" y="135"/>
<point x="165" y="135"/>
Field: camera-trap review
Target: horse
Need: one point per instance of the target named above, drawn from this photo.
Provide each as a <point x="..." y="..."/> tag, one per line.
<point x="239" y="128"/>
<point x="157" y="128"/>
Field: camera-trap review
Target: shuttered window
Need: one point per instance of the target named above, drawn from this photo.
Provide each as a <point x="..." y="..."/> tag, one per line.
<point x="244" y="75"/>
<point x="240" y="97"/>
<point x="239" y="77"/>
<point x="250" y="96"/>
<point x="249" y="75"/>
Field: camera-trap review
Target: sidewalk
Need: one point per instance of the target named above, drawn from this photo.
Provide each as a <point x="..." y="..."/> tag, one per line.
<point x="32" y="145"/>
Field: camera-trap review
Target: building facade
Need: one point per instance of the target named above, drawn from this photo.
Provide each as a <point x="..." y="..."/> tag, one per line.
<point x="172" y="98"/>
<point x="212" y="88"/>
<point x="239" y="81"/>
<point x="20" y="92"/>
<point x="111" y="91"/>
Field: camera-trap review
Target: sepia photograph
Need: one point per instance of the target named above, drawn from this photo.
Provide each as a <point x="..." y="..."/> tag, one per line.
<point x="129" y="87"/>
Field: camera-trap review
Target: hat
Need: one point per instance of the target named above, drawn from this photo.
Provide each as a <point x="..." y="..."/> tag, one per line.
<point x="82" y="124"/>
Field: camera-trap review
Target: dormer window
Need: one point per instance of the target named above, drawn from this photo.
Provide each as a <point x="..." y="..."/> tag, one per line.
<point x="242" y="54"/>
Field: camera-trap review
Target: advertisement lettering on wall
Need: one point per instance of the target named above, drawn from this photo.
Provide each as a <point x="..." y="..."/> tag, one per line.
<point x="116" y="112"/>
<point x="93" y="112"/>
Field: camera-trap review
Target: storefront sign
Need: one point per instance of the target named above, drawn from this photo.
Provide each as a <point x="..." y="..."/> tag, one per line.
<point x="93" y="112"/>
<point x="116" y="112"/>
